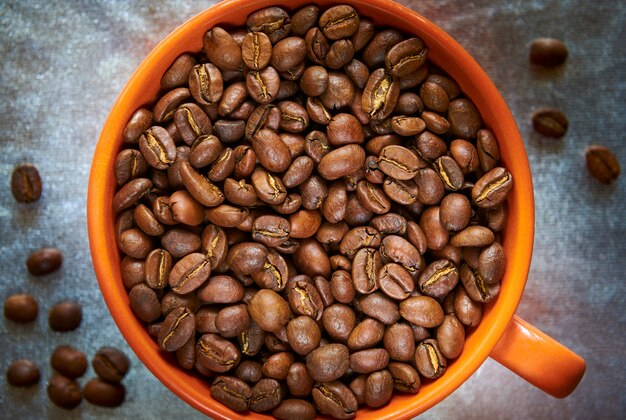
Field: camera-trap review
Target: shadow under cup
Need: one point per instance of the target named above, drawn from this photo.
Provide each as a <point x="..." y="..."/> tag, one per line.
<point x="142" y="90"/>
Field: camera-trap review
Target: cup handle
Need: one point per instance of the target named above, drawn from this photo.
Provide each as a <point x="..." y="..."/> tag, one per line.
<point x="539" y="358"/>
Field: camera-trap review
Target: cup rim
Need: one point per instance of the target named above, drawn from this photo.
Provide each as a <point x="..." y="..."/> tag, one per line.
<point x="475" y="84"/>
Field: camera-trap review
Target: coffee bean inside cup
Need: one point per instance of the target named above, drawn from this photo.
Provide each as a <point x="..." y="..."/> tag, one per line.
<point x="312" y="217"/>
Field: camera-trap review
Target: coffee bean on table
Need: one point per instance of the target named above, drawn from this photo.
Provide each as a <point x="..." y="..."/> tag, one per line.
<point x="65" y="316"/>
<point x="105" y="394"/>
<point x="602" y="163"/>
<point x="110" y="364"/>
<point x="23" y="373"/>
<point x="44" y="261"/>
<point x="548" y="52"/>
<point x="550" y="122"/>
<point x="64" y="392"/>
<point x="21" y="308"/>
<point x="26" y="183"/>
<point x="69" y="361"/>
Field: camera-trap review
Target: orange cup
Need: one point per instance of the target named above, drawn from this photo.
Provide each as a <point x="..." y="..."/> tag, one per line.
<point x="501" y="335"/>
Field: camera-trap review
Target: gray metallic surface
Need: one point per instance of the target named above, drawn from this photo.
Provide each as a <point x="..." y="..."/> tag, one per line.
<point x="63" y="63"/>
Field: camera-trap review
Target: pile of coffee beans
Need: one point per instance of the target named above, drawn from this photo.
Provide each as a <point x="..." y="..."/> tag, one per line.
<point x="310" y="213"/>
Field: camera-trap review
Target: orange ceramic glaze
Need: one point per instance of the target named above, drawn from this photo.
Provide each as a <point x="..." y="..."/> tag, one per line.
<point x="522" y="348"/>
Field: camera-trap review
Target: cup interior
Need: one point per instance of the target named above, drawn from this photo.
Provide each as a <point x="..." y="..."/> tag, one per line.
<point x="142" y="90"/>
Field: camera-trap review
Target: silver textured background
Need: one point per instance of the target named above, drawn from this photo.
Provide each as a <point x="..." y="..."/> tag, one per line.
<point x="63" y="63"/>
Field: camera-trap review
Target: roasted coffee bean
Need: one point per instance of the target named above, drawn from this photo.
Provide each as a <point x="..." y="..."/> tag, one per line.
<point x="492" y="263"/>
<point x="288" y="53"/>
<point x="69" y="361"/>
<point x="438" y="279"/>
<point x="399" y="341"/>
<point x="249" y="371"/>
<point x="473" y="236"/>
<point x="272" y="153"/>
<point x="256" y="50"/>
<point x="189" y="273"/>
<point x="21" y="308"/>
<point x="416" y="237"/>
<point x="291" y="204"/>
<point x="335" y="204"/>
<point x="429" y="360"/>
<point x="339" y="262"/>
<point x="273" y="21"/>
<point x="186" y="355"/>
<point x="299" y="381"/>
<point x="366" y="265"/>
<point x="239" y="192"/>
<point x="317" y="45"/>
<point x="450" y="173"/>
<point x="465" y="155"/>
<point x="274" y="273"/>
<point x="436" y="234"/>
<point x="358" y="72"/>
<point x="232" y="321"/>
<point x="103" y="393"/>
<point x="246" y="258"/>
<point x="206" y="84"/>
<point x="26" y="183"/>
<point x="270" y="230"/>
<point x="488" y="152"/>
<point x="378" y="306"/>
<point x="492" y="188"/>
<point x="550" y="122"/>
<point x="65" y="316"/>
<point x="434" y="97"/>
<point x="405" y="377"/>
<point x="339" y="92"/>
<point x="64" y="392"/>
<point x="548" y="52"/>
<point x="451" y="337"/>
<point x="304" y="19"/>
<point x="342" y="287"/>
<point x="44" y="261"/>
<point x="328" y="363"/>
<point x="399" y="250"/>
<point x="435" y="122"/>
<point x="268" y="187"/>
<point x="299" y="170"/>
<point x="221" y="289"/>
<point x="464" y="118"/>
<point x="135" y="243"/>
<point x="305" y="299"/>
<point x="378" y="388"/>
<point x="191" y="122"/>
<point x="157" y="147"/>
<point x="110" y="364"/>
<point x="139" y="122"/>
<point x="294" y="409"/>
<point x="376" y="50"/>
<point x="232" y="392"/>
<point x="178" y="326"/>
<point x="372" y="197"/>
<point x="339" y="54"/>
<point x="263" y="85"/>
<point x="23" y="373"/>
<point x="406" y="57"/>
<point x="304" y="335"/>
<point x="357" y="386"/>
<point x="455" y="212"/>
<point x="269" y="310"/>
<point x="602" y="163"/>
<point x="312" y="259"/>
<point x="356" y="214"/>
<point x="339" y="22"/>
<point x="368" y="361"/>
<point x="171" y="301"/>
<point x="402" y="192"/>
<point x="398" y="162"/>
<point x="304" y="223"/>
<point x="221" y="49"/>
<point x="344" y="129"/>
<point x="178" y="73"/>
<point x="314" y="81"/>
<point x="339" y="321"/>
<point x="217" y="353"/>
<point x="342" y="161"/>
<point x="180" y="242"/>
<point x="366" y="334"/>
<point x="423" y="311"/>
<point x="144" y="303"/>
<point x="266" y="395"/>
<point x="380" y="95"/>
<point x="468" y="311"/>
<point x="335" y="399"/>
<point x="294" y="117"/>
<point x="389" y="224"/>
<point x="395" y="281"/>
<point x="477" y="288"/>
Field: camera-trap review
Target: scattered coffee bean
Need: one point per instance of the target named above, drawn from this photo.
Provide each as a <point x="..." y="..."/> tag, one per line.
<point x="64" y="392"/>
<point x="65" y="316"/>
<point x="602" y="163"/>
<point x="23" y="373"/>
<point x="550" y="122"/>
<point x="26" y="183"/>
<point x="105" y="394"/>
<point x="110" y="364"/>
<point x="548" y="52"/>
<point x="69" y="361"/>
<point x="44" y="261"/>
<point x="21" y="308"/>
